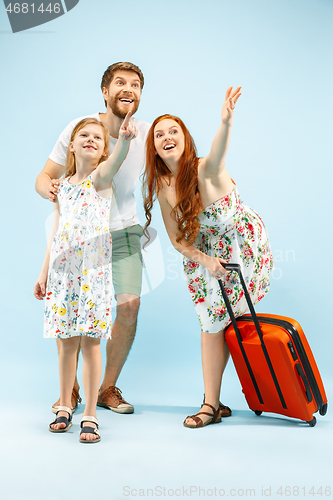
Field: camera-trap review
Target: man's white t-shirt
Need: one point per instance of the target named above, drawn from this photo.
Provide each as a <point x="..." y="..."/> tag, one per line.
<point x="123" y="210"/>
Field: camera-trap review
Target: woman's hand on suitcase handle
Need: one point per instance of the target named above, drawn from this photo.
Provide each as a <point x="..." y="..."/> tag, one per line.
<point x="215" y="268"/>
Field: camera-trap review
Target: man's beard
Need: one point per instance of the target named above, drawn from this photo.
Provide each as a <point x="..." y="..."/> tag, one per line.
<point x="114" y="104"/>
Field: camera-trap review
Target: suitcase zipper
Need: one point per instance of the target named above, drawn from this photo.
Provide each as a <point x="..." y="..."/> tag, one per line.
<point x="292" y="331"/>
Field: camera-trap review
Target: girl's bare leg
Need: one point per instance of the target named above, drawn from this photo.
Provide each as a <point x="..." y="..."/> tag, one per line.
<point x="67" y="369"/>
<point x="76" y="383"/>
<point x="92" y="371"/>
<point x="214" y="356"/>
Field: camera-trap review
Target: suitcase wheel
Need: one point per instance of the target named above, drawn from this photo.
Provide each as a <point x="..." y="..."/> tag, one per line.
<point x="323" y="409"/>
<point x="258" y="412"/>
<point x="312" y="422"/>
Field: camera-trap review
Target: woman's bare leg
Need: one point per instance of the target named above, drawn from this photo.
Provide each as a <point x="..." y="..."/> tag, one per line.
<point x="214" y="356"/>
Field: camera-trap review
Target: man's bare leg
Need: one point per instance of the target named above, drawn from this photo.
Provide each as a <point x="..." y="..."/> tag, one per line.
<point x="123" y="333"/>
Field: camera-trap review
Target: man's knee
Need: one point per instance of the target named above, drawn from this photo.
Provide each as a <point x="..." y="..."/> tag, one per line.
<point x="127" y="312"/>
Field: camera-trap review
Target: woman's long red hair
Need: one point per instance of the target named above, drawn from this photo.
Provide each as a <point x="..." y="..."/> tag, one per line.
<point x="189" y="203"/>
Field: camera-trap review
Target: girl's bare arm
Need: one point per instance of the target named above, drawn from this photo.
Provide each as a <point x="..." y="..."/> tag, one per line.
<point x="40" y="285"/>
<point x="106" y="170"/>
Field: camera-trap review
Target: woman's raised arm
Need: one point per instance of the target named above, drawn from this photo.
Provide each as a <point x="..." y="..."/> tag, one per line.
<point x="213" y="163"/>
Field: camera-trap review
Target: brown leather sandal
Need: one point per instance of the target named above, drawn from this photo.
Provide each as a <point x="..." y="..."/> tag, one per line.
<point x="215" y="418"/>
<point x="224" y="410"/>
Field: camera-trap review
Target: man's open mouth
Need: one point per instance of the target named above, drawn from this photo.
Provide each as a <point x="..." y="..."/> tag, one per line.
<point x="126" y="100"/>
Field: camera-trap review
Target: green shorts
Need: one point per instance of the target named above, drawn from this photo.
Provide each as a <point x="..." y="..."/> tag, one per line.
<point x="127" y="260"/>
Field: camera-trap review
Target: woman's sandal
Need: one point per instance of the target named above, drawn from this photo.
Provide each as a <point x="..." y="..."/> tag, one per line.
<point x="62" y="420"/>
<point x="86" y="429"/>
<point x="224" y="410"/>
<point x="215" y="418"/>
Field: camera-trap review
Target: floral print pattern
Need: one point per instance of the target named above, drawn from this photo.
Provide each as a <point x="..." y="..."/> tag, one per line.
<point x="235" y="233"/>
<point x="79" y="284"/>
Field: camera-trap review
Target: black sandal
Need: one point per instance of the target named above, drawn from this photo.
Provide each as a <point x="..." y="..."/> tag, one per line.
<point x="62" y="420"/>
<point x="86" y="429"/>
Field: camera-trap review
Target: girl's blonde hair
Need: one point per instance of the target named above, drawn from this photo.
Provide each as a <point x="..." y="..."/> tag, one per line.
<point x="70" y="160"/>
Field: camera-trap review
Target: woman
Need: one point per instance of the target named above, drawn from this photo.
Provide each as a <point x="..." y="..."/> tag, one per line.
<point x="207" y="223"/>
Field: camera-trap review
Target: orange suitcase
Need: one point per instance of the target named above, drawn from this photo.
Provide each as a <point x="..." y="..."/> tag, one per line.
<point x="274" y="362"/>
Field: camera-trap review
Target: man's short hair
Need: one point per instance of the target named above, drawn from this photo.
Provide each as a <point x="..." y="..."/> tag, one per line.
<point x="125" y="66"/>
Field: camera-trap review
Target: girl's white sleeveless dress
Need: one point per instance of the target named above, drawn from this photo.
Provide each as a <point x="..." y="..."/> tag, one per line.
<point x="235" y="233"/>
<point x="79" y="284"/>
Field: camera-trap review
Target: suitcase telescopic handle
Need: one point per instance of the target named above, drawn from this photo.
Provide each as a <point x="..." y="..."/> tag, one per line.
<point x="232" y="267"/>
<point x="237" y="268"/>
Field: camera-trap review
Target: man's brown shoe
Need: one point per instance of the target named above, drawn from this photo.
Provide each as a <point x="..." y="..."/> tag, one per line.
<point x="75" y="400"/>
<point x="112" y="399"/>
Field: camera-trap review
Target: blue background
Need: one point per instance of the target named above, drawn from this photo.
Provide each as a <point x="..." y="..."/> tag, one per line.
<point x="190" y="52"/>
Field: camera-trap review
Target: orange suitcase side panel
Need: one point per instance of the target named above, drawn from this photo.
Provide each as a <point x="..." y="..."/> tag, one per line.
<point x="294" y="402"/>
<point x="276" y="366"/>
<point x="307" y="349"/>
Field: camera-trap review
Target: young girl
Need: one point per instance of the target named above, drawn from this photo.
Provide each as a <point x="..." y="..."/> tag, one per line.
<point x="207" y="222"/>
<point x="76" y="276"/>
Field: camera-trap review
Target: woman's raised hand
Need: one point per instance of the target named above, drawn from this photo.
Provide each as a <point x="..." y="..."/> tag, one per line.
<point x="231" y="97"/>
<point x="127" y="130"/>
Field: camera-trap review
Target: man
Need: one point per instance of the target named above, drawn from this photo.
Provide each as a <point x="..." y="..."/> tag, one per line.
<point x="121" y="85"/>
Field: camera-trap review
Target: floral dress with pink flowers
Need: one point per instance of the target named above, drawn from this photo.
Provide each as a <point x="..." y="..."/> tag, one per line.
<point x="235" y="233"/>
<point x="79" y="283"/>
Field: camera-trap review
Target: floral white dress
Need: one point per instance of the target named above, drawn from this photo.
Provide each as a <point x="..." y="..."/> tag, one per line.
<point x="233" y="232"/>
<point x="79" y="284"/>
